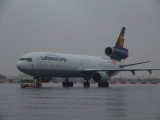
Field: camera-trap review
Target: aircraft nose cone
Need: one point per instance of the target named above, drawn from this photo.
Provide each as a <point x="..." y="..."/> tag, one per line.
<point x="19" y="65"/>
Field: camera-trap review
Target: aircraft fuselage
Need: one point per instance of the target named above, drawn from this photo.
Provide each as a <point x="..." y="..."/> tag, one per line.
<point x="62" y="65"/>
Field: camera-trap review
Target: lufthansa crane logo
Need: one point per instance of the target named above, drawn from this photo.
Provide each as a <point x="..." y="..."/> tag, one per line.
<point x="121" y="40"/>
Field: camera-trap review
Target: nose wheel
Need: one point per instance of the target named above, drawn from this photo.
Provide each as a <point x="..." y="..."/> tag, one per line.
<point x="37" y="82"/>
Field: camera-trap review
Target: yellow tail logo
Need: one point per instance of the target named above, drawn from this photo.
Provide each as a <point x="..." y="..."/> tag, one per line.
<point x="121" y="40"/>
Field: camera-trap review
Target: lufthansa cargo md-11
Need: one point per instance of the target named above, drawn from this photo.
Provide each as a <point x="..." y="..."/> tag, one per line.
<point x="44" y="65"/>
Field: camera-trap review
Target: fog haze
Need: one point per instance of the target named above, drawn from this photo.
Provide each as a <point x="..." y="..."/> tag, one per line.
<point x="78" y="27"/>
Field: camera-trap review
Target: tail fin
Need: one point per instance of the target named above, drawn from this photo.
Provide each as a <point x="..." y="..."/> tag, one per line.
<point x="120" y="41"/>
<point x="118" y="52"/>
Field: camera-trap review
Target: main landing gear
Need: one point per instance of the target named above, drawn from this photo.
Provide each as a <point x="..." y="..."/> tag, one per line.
<point x="67" y="83"/>
<point x="86" y="84"/>
<point x="103" y="84"/>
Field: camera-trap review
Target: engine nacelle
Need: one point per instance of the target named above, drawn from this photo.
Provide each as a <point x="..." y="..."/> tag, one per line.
<point x="116" y="53"/>
<point x="101" y="77"/>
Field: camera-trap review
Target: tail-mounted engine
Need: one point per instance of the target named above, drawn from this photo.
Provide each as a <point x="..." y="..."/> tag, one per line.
<point x="116" y="53"/>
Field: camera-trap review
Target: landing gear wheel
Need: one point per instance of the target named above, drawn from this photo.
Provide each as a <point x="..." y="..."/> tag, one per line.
<point x="86" y="84"/>
<point x="70" y="84"/>
<point x="100" y="84"/>
<point x="38" y="82"/>
<point x="107" y="84"/>
<point x="67" y="84"/>
<point x="104" y="84"/>
<point x="64" y="84"/>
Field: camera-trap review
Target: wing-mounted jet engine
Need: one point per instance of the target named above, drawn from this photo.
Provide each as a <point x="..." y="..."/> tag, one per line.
<point x="101" y="78"/>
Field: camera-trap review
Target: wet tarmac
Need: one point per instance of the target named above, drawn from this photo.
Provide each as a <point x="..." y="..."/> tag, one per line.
<point x="52" y="102"/>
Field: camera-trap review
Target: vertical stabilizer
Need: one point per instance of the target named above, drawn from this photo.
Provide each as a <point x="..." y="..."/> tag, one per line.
<point x="120" y="41"/>
<point x="118" y="52"/>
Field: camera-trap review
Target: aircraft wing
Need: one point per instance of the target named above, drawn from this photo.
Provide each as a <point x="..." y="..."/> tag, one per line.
<point x="118" y="70"/>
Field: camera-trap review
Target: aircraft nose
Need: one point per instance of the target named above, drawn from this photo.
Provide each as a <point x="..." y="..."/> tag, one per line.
<point x="19" y="65"/>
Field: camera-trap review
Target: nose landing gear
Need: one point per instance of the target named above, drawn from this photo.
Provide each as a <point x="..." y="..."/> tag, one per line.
<point x="37" y="82"/>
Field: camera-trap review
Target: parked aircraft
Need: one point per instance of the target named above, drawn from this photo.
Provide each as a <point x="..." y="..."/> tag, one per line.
<point x="44" y="65"/>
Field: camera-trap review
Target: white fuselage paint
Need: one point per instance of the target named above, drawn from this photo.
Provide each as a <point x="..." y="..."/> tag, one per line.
<point x="63" y="65"/>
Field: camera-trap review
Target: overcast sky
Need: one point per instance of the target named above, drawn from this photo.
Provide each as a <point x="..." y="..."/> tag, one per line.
<point x="78" y="27"/>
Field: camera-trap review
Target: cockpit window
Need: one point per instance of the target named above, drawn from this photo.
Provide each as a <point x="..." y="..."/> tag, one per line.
<point x="27" y="59"/>
<point x="21" y="59"/>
